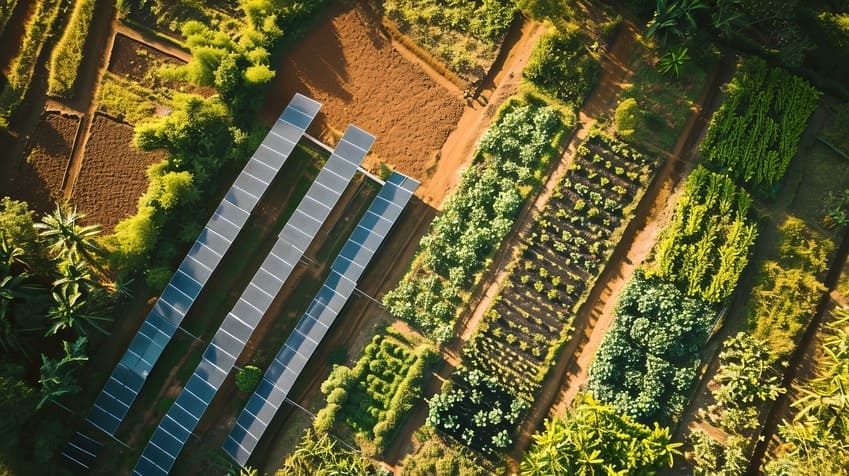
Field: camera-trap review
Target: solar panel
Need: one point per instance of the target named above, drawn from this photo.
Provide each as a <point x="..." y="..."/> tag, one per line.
<point x="213" y="242"/>
<point x="231" y="337"/>
<point x="81" y="452"/>
<point x="346" y="269"/>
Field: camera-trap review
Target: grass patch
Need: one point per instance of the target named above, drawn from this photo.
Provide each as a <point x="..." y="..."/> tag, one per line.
<point x="128" y="100"/>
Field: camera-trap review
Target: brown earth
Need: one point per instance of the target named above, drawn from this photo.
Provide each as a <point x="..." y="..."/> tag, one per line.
<point x="135" y="60"/>
<point x="345" y="63"/>
<point x="39" y="178"/>
<point x="113" y="173"/>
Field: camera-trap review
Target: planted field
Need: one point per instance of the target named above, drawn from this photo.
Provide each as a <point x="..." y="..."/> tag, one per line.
<point x="756" y="132"/>
<point x="68" y="53"/>
<point x="464" y="34"/>
<point x="39" y="179"/>
<point x="110" y="183"/>
<point x="346" y="65"/>
<point x="706" y="246"/>
<point x="375" y="396"/>
<point x="562" y="67"/>
<point x="133" y="60"/>
<point x="560" y="259"/>
<point x="510" y="159"/>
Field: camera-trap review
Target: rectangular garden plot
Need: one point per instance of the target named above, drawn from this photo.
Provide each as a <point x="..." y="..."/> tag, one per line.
<point x="113" y="176"/>
<point x="560" y="259"/>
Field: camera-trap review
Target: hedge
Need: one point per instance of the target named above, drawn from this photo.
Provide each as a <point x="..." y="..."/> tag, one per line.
<point x="68" y="53"/>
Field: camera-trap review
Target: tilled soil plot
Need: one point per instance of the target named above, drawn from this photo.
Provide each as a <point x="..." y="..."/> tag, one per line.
<point x="134" y="60"/>
<point x="113" y="173"/>
<point x="39" y="178"/>
<point x="345" y="63"/>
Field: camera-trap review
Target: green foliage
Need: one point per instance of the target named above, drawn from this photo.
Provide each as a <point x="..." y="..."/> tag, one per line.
<point x="561" y="66"/>
<point x="475" y="218"/>
<point x="674" y="19"/>
<point x="17" y="404"/>
<point x="817" y="436"/>
<point x="719" y="459"/>
<point x="128" y="100"/>
<point x="647" y="360"/>
<point x="67" y="55"/>
<point x="437" y="455"/>
<point x="376" y="395"/>
<point x="57" y="377"/>
<point x="787" y="291"/>
<point x="705" y="247"/>
<point x="22" y="68"/>
<point x="464" y="34"/>
<point x="476" y="410"/>
<point x="16" y="222"/>
<point x="626" y="117"/>
<point x="564" y="251"/>
<point x="318" y="454"/>
<point x="756" y="131"/>
<point x="673" y="62"/>
<point x="6" y="9"/>
<point x="595" y="438"/>
<point x="248" y="378"/>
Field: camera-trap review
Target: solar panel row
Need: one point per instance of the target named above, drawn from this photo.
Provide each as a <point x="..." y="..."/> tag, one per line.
<point x="228" y="342"/>
<point x="113" y="403"/>
<point x="81" y="452"/>
<point x="314" y="324"/>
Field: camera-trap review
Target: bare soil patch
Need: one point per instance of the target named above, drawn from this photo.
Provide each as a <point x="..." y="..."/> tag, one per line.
<point x="113" y="173"/>
<point x="347" y="65"/>
<point x="38" y="179"/>
<point x="135" y="60"/>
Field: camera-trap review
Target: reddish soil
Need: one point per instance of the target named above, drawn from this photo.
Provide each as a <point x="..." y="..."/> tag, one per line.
<point x="347" y="65"/>
<point x="38" y="179"/>
<point x="134" y="60"/>
<point x="113" y="173"/>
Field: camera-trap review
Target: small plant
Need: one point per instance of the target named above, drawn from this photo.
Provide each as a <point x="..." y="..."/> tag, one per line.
<point x="673" y="62"/>
<point x="248" y="378"/>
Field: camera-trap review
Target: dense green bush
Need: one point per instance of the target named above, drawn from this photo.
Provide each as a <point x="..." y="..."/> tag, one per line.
<point x="562" y="66"/>
<point x="756" y="131"/>
<point x="647" y="360"/>
<point x="627" y="117"/>
<point x="705" y="247"/>
<point x="594" y="438"/>
<point x="68" y="53"/>
<point x="437" y="455"/>
<point x="248" y="378"/>
<point x="476" y="217"/>
<point x="21" y="70"/>
<point x="319" y="454"/>
<point x="476" y="410"/>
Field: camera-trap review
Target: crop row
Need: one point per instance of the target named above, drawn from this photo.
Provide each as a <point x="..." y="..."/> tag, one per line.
<point x="509" y="161"/>
<point x="756" y="132"/>
<point x="68" y="54"/>
<point x="560" y="258"/>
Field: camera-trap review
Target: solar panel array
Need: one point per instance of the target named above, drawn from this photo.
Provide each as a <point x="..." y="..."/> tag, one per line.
<point x="314" y="324"/>
<point x="228" y="342"/>
<point x="81" y="452"/>
<point x="114" y="401"/>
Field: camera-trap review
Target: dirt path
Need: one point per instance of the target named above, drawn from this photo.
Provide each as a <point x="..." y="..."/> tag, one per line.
<point x="85" y="97"/>
<point x="154" y="41"/>
<point x="458" y="147"/>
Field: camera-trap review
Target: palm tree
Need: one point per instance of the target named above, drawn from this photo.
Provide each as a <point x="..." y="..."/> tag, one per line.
<point x="75" y="273"/>
<point x="57" y="377"/>
<point x="67" y="238"/>
<point x="71" y="311"/>
<point x="14" y="287"/>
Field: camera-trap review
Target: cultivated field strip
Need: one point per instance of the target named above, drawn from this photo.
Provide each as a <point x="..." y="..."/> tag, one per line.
<point x="229" y="341"/>
<point x="126" y="381"/>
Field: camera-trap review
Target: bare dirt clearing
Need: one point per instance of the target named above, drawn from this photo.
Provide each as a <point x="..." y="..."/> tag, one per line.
<point x="346" y="64"/>
<point x="112" y="177"/>
<point x="39" y="177"/>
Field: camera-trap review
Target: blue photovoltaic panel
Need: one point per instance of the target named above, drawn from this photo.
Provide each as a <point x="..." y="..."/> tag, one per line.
<point x="81" y="452"/>
<point x="126" y="380"/>
<point x="220" y="356"/>
<point x="347" y="268"/>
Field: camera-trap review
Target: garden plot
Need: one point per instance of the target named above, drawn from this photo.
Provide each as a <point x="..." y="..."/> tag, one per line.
<point x="112" y="177"/>
<point x="560" y="259"/>
<point x="39" y="178"/>
<point x="351" y="69"/>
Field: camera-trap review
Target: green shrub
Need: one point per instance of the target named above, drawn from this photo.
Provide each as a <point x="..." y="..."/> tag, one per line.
<point x="158" y="277"/>
<point x="626" y="117"/>
<point x="325" y="420"/>
<point x="248" y="378"/>
<point x="68" y="53"/>
<point x="562" y="67"/>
